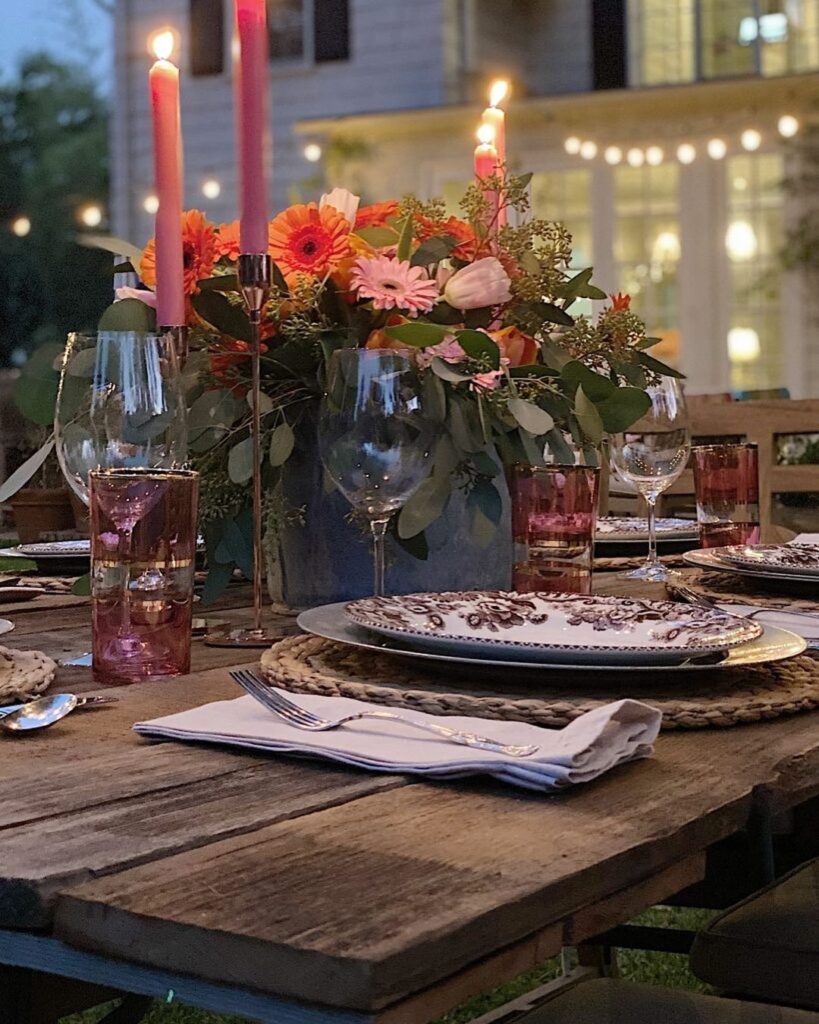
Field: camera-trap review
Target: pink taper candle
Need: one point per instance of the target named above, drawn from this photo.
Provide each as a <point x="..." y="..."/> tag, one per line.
<point x="486" y="164"/>
<point x="252" y="125"/>
<point x="495" y="118"/>
<point x="170" y="285"/>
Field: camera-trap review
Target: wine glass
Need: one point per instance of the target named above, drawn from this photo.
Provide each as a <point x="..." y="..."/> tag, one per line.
<point x="374" y="437"/>
<point x="120" y="405"/>
<point x="650" y="456"/>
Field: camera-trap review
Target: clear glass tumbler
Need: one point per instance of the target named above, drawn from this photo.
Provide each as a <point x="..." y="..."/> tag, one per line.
<point x="554" y="515"/>
<point x="143" y="549"/>
<point x="726" y="479"/>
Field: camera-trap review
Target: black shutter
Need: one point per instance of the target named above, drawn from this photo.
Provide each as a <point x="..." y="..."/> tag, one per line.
<point x="207" y="37"/>
<point x="331" y="28"/>
<point x="609" y="44"/>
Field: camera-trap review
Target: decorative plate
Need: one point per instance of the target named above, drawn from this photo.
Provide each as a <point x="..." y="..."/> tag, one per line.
<point x="331" y="622"/>
<point x="711" y="558"/>
<point x="556" y="627"/>
<point x="620" y="529"/>
<point x="57" y="549"/>
<point x="802" y="559"/>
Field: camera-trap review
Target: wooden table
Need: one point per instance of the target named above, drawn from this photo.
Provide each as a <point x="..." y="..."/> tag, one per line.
<point x="291" y="891"/>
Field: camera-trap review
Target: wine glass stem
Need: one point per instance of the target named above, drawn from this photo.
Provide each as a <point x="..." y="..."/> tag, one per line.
<point x="651" y="501"/>
<point x="124" y="554"/>
<point x="379" y="530"/>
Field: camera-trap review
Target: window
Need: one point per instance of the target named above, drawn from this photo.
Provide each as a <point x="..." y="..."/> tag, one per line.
<point x="207" y="37"/>
<point x="285" y="21"/>
<point x="566" y="196"/>
<point x="705" y="39"/>
<point x="753" y="239"/>
<point x="329" y="31"/>
<point x="647" y="249"/>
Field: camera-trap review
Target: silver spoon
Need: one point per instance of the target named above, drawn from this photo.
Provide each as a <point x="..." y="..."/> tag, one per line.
<point x="40" y="713"/>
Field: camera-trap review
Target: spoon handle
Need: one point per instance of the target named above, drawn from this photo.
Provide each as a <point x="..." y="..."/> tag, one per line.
<point x="82" y="702"/>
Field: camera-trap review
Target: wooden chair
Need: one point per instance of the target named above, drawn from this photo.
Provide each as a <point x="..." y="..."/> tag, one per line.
<point x="761" y="423"/>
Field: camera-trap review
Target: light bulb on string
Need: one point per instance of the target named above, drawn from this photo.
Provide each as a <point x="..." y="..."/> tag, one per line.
<point x="654" y="156"/>
<point x="751" y="140"/>
<point x="686" y="153"/>
<point x="572" y="145"/>
<point x="588" y="150"/>
<point x="613" y="155"/>
<point x="635" y="157"/>
<point x="788" y="126"/>
<point x="717" y="149"/>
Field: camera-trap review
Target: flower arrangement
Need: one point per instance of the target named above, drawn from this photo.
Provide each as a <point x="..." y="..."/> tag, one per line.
<point x="511" y="374"/>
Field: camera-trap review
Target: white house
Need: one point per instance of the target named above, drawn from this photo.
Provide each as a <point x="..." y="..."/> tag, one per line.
<point x="661" y="131"/>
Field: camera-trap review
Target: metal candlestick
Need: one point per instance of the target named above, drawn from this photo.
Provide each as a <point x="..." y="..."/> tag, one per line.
<point x="255" y="275"/>
<point x="180" y="342"/>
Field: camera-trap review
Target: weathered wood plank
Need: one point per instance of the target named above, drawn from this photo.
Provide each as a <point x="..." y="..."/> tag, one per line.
<point x="90" y="797"/>
<point x="375" y="900"/>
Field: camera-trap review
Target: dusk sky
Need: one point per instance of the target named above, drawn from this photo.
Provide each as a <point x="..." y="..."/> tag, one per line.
<point x="75" y="29"/>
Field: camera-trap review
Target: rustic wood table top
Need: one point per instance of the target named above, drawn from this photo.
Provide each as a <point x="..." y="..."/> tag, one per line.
<point x="359" y="892"/>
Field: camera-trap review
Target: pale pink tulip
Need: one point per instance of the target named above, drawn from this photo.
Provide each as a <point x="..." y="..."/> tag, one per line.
<point x="149" y="298"/>
<point x="344" y="201"/>
<point x="482" y="283"/>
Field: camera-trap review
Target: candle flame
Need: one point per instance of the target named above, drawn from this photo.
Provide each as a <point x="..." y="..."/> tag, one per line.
<point x="162" y="43"/>
<point x="486" y="134"/>
<point x="498" y="92"/>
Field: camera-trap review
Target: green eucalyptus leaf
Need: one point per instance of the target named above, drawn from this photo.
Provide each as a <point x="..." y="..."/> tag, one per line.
<point x="443" y="313"/>
<point x="207" y="439"/>
<point x="282" y="442"/>
<point x="81" y="587"/>
<point x="418" y="335"/>
<point x="530" y="417"/>
<point x="588" y="416"/>
<point x="561" y="450"/>
<point x="378" y="237"/>
<point x="446" y="372"/>
<point x="21" y="476"/>
<point x="654" y="364"/>
<point x="224" y="316"/>
<point x="465" y="427"/>
<point x="595" y="386"/>
<point x="424" y="506"/>
<point x="533" y="370"/>
<point x="433" y="250"/>
<point x="220" y="283"/>
<point x="485" y="510"/>
<point x="479" y="345"/>
<point x="128" y="315"/>
<point x="82" y="363"/>
<point x="240" y="461"/>
<point x="404" y="247"/>
<point x="434" y="396"/>
<point x="35" y="392"/>
<point x="624" y="407"/>
<point x="416" y="546"/>
<point x="218" y="578"/>
<point x="483" y="463"/>
<point x="553" y="353"/>
<point x="533" y="449"/>
<point x="549" y="313"/>
<point x="446" y="456"/>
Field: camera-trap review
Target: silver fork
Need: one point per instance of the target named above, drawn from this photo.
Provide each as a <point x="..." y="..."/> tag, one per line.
<point x="692" y="597"/>
<point x="301" y="718"/>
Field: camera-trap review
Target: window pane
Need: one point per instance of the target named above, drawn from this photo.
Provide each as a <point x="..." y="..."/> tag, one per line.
<point x="566" y="196"/>
<point x="661" y="41"/>
<point x="286" y="26"/>
<point x="753" y="242"/>
<point x="728" y="38"/>
<point x="331" y="30"/>
<point x="647" y="249"/>
<point x="207" y="37"/>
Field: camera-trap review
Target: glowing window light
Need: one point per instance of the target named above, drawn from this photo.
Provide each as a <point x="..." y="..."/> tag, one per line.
<point x="740" y="241"/>
<point x="743" y="345"/>
<point x="666" y="248"/>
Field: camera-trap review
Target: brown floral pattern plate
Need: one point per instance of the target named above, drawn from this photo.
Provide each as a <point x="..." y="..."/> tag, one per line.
<point x="553" y="627"/>
<point x="634" y="529"/>
<point x="712" y="560"/>
<point x="802" y="559"/>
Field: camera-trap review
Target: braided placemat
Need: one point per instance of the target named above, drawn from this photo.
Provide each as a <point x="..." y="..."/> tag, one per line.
<point x="24" y="673"/>
<point x="309" y="664"/>
<point x="728" y="587"/>
<point x="622" y="563"/>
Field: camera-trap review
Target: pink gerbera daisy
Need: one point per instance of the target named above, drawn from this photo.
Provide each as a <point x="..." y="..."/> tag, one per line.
<point x="394" y="284"/>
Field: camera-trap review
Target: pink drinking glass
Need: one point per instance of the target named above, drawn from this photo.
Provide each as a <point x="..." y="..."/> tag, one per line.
<point x="143" y="549"/>
<point x="726" y="479"/>
<point x="554" y="515"/>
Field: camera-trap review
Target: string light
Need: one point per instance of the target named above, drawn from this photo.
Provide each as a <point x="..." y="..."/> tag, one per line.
<point x="613" y="155"/>
<point x="788" y="126"/>
<point x="751" y="139"/>
<point x="743" y="345"/>
<point x="21" y="226"/>
<point x="740" y="241"/>
<point x="572" y="145"/>
<point x="654" y="156"/>
<point x="312" y="152"/>
<point x="91" y="216"/>
<point x="588" y="150"/>
<point x="150" y="204"/>
<point x="211" y="188"/>
<point x="635" y="157"/>
<point x="717" y="149"/>
<point x="686" y="153"/>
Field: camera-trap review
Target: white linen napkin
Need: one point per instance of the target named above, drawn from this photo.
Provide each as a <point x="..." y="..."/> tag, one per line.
<point x="587" y="747"/>
<point x="805" y="538"/>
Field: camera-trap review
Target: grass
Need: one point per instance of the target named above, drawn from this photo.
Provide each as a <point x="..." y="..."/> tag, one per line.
<point x="667" y="969"/>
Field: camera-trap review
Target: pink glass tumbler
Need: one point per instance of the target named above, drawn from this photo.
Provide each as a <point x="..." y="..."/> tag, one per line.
<point x="554" y="515"/>
<point x="143" y="550"/>
<point x="726" y="479"/>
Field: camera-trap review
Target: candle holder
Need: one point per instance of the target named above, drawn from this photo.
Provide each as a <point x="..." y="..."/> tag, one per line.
<point x="180" y="342"/>
<point x="255" y="275"/>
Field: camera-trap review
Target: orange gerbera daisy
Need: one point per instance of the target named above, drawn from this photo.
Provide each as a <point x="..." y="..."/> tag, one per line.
<point x="198" y="252"/>
<point x="306" y="240"/>
<point x="376" y="215"/>
<point x="227" y="242"/>
<point x="467" y="247"/>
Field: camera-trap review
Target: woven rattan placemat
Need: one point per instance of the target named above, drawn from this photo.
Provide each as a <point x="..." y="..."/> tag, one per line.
<point x="308" y="664"/>
<point x="24" y="673"/>
<point x="731" y="587"/>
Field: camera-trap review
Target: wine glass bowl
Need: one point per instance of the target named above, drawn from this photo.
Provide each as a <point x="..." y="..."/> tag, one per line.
<point x="650" y="456"/>
<point x="374" y="438"/>
<point x="120" y="405"/>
